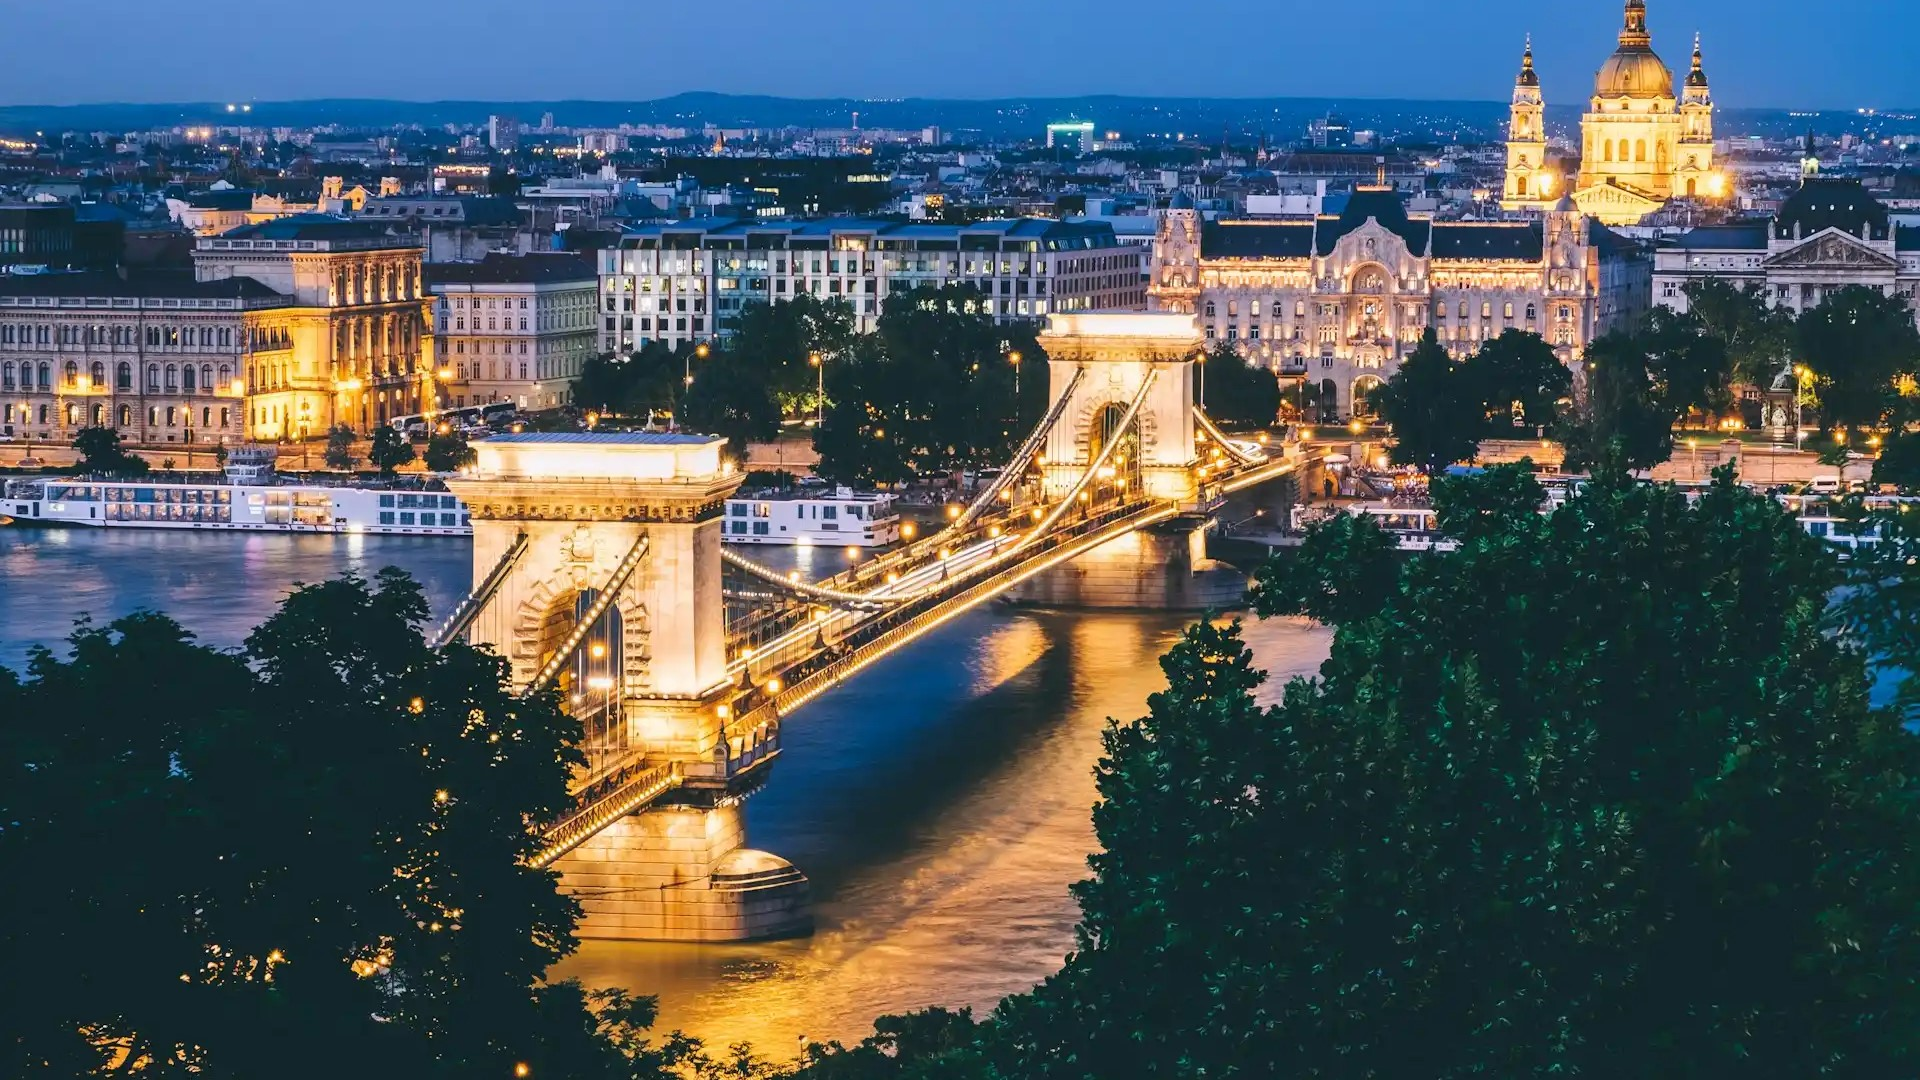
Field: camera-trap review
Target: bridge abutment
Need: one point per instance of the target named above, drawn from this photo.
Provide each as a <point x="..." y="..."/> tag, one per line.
<point x="681" y="873"/>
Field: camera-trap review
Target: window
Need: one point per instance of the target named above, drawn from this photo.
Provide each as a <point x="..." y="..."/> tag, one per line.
<point x="123" y="376"/>
<point x="1210" y="311"/>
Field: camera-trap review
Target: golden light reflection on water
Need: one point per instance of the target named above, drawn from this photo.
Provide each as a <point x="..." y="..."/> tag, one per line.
<point x="972" y="904"/>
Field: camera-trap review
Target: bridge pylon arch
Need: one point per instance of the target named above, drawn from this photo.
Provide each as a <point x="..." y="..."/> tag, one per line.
<point x="1119" y="352"/>
<point x="597" y="570"/>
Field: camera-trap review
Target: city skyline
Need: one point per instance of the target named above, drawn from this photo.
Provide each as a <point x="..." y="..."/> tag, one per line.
<point x="1083" y="49"/>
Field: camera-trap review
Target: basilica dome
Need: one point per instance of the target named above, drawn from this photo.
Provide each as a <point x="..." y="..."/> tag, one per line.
<point x="1633" y="72"/>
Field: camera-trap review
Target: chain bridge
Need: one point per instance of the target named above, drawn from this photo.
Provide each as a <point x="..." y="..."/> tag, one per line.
<point x="599" y="574"/>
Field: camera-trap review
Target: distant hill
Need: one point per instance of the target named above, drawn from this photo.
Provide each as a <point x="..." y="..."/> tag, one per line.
<point x="1207" y="120"/>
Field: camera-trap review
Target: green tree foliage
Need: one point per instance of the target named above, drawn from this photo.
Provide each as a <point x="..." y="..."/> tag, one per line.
<point x="1594" y="795"/>
<point x="448" y="452"/>
<point x="1434" y="407"/>
<point x="1758" y="337"/>
<point x="1882" y="611"/>
<point x="932" y="389"/>
<point x="640" y="384"/>
<point x="310" y="857"/>
<point x="1238" y="393"/>
<point x="1899" y="461"/>
<point x="101" y="453"/>
<point x="778" y="339"/>
<point x="1688" y="365"/>
<point x="879" y="428"/>
<point x="1518" y="382"/>
<point x="339" y="453"/>
<point x="1621" y="411"/>
<point x="1858" y="343"/>
<point x="389" y="451"/>
<point x="733" y="396"/>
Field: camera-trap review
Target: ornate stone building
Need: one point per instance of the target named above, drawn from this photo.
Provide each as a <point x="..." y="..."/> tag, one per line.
<point x="1642" y="144"/>
<point x="1827" y="235"/>
<point x="1342" y="298"/>
<point x="358" y="330"/>
<point x="159" y="356"/>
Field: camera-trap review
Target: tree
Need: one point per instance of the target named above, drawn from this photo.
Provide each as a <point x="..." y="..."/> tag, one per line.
<point x="776" y="340"/>
<point x="1882" y="610"/>
<point x="448" y="452"/>
<point x="878" y="429"/>
<point x="1899" y="461"/>
<point x="1620" y="412"/>
<point x="732" y="397"/>
<point x="1757" y="337"/>
<point x="1434" y="408"/>
<point x="320" y="855"/>
<point x="933" y="388"/>
<point x="1238" y="393"/>
<point x="638" y="384"/>
<point x="339" y="453"/>
<point x="220" y="455"/>
<point x="1858" y="344"/>
<point x="1594" y="794"/>
<point x="1689" y="366"/>
<point x="389" y="451"/>
<point x="101" y="453"/>
<point x="1518" y="382"/>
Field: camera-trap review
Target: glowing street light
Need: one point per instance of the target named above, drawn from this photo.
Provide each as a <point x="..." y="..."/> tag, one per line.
<point x="819" y="388"/>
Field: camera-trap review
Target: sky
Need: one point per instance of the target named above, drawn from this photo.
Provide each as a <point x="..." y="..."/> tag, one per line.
<point x="1760" y="53"/>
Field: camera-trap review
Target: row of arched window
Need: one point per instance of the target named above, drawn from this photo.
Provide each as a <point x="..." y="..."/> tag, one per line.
<point x="168" y="378"/>
<point x="28" y="335"/>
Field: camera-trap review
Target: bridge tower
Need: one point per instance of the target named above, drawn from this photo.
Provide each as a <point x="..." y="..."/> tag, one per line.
<point x="1129" y="377"/>
<point x="597" y="571"/>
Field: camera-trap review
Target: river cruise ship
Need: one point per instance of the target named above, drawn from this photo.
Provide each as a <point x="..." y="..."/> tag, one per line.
<point x="249" y="498"/>
<point x="812" y="515"/>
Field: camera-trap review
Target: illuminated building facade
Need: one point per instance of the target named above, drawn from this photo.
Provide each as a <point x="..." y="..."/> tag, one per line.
<point x="1642" y="142"/>
<point x="688" y="280"/>
<point x="158" y="356"/>
<point x="1826" y="236"/>
<point x="513" y="328"/>
<point x="1341" y="299"/>
<point x="357" y="330"/>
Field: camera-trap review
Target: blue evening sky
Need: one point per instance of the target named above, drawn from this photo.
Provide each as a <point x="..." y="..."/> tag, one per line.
<point x="1763" y="53"/>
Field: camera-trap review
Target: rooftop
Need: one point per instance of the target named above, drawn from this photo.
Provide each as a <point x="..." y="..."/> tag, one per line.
<point x="149" y="285"/>
<point x="316" y="227"/>
<point x="538" y="268"/>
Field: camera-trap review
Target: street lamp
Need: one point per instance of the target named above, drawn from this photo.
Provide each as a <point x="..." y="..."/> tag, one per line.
<point x="819" y="389"/>
<point x="686" y="363"/>
<point x="1014" y="359"/>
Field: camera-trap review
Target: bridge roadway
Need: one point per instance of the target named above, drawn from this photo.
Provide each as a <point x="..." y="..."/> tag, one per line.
<point x="912" y="591"/>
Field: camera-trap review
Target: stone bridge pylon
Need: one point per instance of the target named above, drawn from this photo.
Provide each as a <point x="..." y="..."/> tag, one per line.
<point x="597" y="572"/>
<point x="1129" y="378"/>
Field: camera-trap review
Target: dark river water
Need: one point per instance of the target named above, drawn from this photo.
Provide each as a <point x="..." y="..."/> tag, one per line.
<point x="939" y="802"/>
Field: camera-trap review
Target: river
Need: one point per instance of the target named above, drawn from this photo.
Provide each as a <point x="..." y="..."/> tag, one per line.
<point x="939" y="802"/>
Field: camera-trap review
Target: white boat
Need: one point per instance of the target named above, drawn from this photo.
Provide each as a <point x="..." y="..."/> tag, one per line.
<point x="249" y="498"/>
<point x="1413" y="528"/>
<point x="801" y="516"/>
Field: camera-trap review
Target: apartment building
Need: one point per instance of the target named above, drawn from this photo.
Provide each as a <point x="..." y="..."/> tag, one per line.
<point x="513" y="328"/>
<point x="687" y="281"/>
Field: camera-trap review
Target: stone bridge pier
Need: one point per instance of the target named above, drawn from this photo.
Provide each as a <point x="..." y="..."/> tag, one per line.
<point x="1115" y="354"/>
<point x="639" y="516"/>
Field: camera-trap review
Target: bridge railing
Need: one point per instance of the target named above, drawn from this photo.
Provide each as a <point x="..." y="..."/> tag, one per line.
<point x="861" y="643"/>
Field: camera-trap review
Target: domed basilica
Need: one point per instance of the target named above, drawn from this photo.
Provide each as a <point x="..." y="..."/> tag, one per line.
<point x="1642" y="144"/>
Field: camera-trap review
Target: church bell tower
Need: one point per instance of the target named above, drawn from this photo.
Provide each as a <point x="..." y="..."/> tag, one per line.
<point x="1530" y="183"/>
